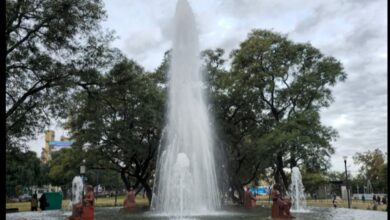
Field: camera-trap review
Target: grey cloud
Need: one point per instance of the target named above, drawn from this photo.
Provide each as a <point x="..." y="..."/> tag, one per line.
<point x="318" y="15"/>
<point x="141" y="41"/>
<point x="353" y="31"/>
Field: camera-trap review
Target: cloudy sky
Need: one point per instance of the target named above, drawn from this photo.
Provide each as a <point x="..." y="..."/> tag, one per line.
<point x="352" y="31"/>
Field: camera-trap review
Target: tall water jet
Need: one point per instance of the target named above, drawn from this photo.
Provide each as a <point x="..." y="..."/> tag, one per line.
<point x="77" y="190"/>
<point x="297" y="191"/>
<point x="186" y="181"/>
<point x="75" y="203"/>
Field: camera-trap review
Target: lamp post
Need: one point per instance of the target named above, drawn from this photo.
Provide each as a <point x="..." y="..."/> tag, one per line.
<point x="346" y="181"/>
<point x="82" y="170"/>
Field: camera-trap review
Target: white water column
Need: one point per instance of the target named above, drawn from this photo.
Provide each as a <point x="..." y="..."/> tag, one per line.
<point x="186" y="182"/>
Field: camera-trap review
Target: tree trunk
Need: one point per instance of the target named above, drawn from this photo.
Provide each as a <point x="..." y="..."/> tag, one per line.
<point x="125" y="180"/>
<point x="236" y="186"/>
<point x="116" y="196"/>
<point x="147" y="189"/>
<point x="293" y="162"/>
<point x="280" y="171"/>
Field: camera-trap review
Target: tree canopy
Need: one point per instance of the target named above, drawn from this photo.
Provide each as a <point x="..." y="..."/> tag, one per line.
<point x="119" y="123"/>
<point x="267" y="105"/>
<point x="23" y="170"/>
<point x="51" y="48"/>
<point x="373" y="168"/>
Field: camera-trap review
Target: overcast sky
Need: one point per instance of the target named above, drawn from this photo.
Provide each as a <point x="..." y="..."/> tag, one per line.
<point x="352" y="31"/>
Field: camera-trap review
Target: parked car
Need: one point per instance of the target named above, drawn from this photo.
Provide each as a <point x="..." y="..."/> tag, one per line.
<point x="24" y="198"/>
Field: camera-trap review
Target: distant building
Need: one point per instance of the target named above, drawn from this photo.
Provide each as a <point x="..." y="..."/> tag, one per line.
<point x="51" y="145"/>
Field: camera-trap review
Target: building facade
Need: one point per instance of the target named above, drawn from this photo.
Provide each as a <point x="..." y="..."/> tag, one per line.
<point x="51" y="145"/>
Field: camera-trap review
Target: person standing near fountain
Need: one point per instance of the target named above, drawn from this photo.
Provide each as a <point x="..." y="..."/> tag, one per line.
<point x="88" y="204"/>
<point x="43" y="202"/>
<point x="34" y="202"/>
<point x="280" y="206"/>
<point x="129" y="202"/>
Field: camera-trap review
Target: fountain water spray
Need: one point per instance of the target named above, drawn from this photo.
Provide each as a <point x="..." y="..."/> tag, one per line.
<point x="77" y="191"/>
<point x="186" y="182"/>
<point x="297" y="191"/>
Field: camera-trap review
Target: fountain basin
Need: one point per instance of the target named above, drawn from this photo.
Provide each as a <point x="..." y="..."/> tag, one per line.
<point x="227" y="213"/>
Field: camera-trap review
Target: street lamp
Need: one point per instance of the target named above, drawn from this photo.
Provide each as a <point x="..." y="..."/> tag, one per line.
<point x="346" y="181"/>
<point x="82" y="170"/>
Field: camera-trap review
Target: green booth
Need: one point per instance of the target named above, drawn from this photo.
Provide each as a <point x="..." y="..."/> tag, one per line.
<point x="54" y="199"/>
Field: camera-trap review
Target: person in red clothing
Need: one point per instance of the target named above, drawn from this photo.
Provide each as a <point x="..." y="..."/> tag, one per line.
<point x="249" y="199"/>
<point x="88" y="204"/>
<point x="129" y="202"/>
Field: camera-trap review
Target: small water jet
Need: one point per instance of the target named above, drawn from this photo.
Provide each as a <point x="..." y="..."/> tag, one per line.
<point x="77" y="190"/>
<point x="297" y="191"/>
<point x="75" y="203"/>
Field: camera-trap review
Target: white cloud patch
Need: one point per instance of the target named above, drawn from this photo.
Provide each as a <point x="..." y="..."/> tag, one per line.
<point x="342" y="121"/>
<point x="141" y="41"/>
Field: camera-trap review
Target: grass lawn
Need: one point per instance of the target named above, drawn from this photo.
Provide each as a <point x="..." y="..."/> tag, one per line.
<point x="262" y="200"/>
<point x="100" y="202"/>
<point x="355" y="204"/>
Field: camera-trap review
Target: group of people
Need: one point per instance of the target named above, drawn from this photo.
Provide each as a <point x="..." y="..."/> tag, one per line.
<point x="43" y="204"/>
<point x="376" y="200"/>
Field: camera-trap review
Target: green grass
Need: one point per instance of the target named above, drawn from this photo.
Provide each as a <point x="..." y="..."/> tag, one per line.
<point x="100" y="202"/>
<point x="355" y="204"/>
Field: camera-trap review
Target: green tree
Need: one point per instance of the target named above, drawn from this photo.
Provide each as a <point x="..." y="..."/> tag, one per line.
<point x="109" y="179"/>
<point x="51" y="47"/>
<point x="373" y="168"/>
<point x="119" y="123"/>
<point x="312" y="181"/>
<point x="290" y="82"/>
<point x="64" y="166"/>
<point x="23" y="171"/>
<point x="238" y="127"/>
<point x="336" y="179"/>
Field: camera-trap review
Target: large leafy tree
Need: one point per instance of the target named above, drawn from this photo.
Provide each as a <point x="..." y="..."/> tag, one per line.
<point x="312" y="181"/>
<point x="238" y="127"/>
<point x="119" y="123"/>
<point x="290" y="82"/>
<point x="51" y="47"/>
<point x="23" y="171"/>
<point x="64" y="166"/>
<point x="373" y="168"/>
<point x="267" y="106"/>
